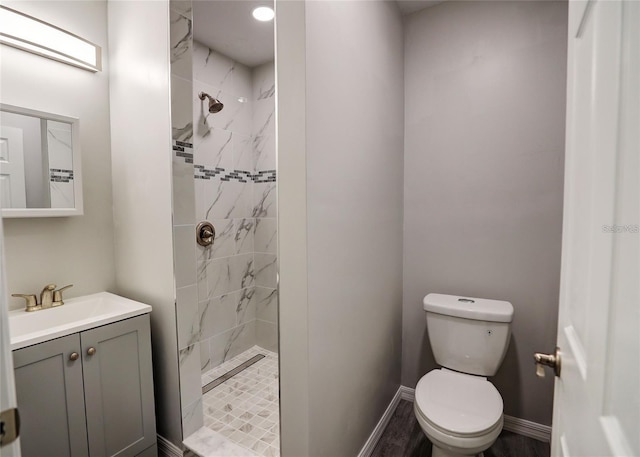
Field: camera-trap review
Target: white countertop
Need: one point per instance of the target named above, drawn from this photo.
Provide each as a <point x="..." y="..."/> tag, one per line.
<point x="76" y="315"/>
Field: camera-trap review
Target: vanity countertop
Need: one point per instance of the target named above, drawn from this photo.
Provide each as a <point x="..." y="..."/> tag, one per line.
<point x="76" y="315"/>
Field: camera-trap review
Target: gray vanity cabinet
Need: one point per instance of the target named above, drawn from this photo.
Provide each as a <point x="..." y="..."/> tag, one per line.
<point x="118" y="388"/>
<point x="99" y="405"/>
<point x="50" y="400"/>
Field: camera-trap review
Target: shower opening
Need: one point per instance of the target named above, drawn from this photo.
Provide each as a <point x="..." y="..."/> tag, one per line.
<point x="223" y="118"/>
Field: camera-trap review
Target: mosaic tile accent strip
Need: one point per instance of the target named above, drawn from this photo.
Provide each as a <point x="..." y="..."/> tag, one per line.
<point x="265" y="176"/>
<point x="183" y="150"/>
<point x="201" y="172"/>
<point x="245" y="408"/>
<point x="60" y="175"/>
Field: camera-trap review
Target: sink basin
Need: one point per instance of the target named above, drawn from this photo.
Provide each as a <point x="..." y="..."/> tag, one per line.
<point x="76" y="315"/>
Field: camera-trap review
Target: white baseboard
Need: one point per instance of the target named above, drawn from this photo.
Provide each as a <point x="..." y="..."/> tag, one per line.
<point x="407" y="393"/>
<point x="512" y="424"/>
<point x="527" y="428"/>
<point x="371" y="443"/>
<point x="167" y="449"/>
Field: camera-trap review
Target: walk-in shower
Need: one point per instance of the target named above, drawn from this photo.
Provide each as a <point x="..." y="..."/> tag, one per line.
<point x="225" y="170"/>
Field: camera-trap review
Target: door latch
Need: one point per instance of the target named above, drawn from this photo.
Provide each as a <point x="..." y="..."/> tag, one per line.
<point x="549" y="360"/>
<point x="9" y="426"/>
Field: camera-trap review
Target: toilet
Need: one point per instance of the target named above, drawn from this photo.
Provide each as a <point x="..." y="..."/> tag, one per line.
<point x="458" y="409"/>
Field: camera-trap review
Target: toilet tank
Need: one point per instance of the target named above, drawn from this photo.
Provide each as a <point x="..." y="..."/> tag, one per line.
<point x="470" y="335"/>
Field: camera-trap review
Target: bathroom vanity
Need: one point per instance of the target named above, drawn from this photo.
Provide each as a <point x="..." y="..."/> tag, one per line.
<point x="83" y="377"/>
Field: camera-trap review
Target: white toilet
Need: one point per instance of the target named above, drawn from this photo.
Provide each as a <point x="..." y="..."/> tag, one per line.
<point x="458" y="409"/>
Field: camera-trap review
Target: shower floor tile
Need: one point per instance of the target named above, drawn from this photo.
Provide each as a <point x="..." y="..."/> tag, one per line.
<point x="245" y="408"/>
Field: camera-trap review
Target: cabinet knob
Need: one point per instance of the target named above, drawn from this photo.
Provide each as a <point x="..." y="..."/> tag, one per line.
<point x="91" y="351"/>
<point x="74" y="356"/>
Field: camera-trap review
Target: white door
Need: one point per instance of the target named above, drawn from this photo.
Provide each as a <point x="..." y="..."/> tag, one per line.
<point x="12" y="183"/>
<point x="597" y="396"/>
<point x="7" y="386"/>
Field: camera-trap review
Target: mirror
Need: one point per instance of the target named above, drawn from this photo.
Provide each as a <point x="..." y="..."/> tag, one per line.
<point x="40" y="173"/>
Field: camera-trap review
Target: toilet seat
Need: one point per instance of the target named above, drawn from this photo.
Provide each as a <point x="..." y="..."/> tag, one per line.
<point x="458" y="404"/>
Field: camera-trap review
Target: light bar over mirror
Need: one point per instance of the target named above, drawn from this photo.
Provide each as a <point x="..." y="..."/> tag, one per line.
<point x="38" y="37"/>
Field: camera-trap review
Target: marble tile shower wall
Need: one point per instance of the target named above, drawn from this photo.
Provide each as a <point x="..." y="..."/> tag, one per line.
<point x="234" y="157"/>
<point x="224" y="172"/>
<point x="184" y="215"/>
<point x="265" y="211"/>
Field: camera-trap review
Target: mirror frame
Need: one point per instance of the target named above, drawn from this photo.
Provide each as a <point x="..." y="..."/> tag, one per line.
<point x="78" y="209"/>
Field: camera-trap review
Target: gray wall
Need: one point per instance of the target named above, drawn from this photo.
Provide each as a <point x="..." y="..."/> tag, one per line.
<point x="293" y="316"/>
<point x="64" y="250"/>
<point x="141" y="158"/>
<point x="484" y="149"/>
<point x="354" y="169"/>
<point x="339" y="220"/>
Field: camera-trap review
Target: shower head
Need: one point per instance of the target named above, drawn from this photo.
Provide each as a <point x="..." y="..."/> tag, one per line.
<point x="215" y="105"/>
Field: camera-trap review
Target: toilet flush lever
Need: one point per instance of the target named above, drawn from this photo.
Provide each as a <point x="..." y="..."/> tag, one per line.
<point x="549" y="360"/>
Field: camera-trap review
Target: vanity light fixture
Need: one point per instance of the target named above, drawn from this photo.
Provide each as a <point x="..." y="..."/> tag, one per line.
<point x="38" y="37"/>
<point x="263" y="14"/>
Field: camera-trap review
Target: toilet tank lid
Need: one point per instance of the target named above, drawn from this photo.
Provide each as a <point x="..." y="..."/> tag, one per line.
<point x="480" y="309"/>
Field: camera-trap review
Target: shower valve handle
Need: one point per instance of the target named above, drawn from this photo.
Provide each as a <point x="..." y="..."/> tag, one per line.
<point x="205" y="233"/>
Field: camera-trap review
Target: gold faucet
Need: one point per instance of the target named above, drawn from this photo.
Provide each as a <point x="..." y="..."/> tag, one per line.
<point x="31" y="301"/>
<point x="57" y="296"/>
<point x="49" y="297"/>
<point x="46" y="296"/>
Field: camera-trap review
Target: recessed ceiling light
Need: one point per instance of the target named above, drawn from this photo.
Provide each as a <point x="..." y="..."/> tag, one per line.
<point x="263" y="13"/>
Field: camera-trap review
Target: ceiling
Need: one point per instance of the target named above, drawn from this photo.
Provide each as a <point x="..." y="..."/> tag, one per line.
<point x="227" y="26"/>
<point x="411" y="6"/>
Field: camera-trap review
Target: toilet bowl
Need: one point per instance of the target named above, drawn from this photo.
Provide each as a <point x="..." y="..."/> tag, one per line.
<point x="461" y="414"/>
<point x="458" y="409"/>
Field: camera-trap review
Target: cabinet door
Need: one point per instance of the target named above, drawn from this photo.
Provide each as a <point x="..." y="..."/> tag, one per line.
<point x="118" y="384"/>
<point x="51" y="399"/>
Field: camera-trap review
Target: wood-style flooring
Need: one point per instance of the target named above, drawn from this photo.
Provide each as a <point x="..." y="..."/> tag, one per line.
<point x="403" y="437"/>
